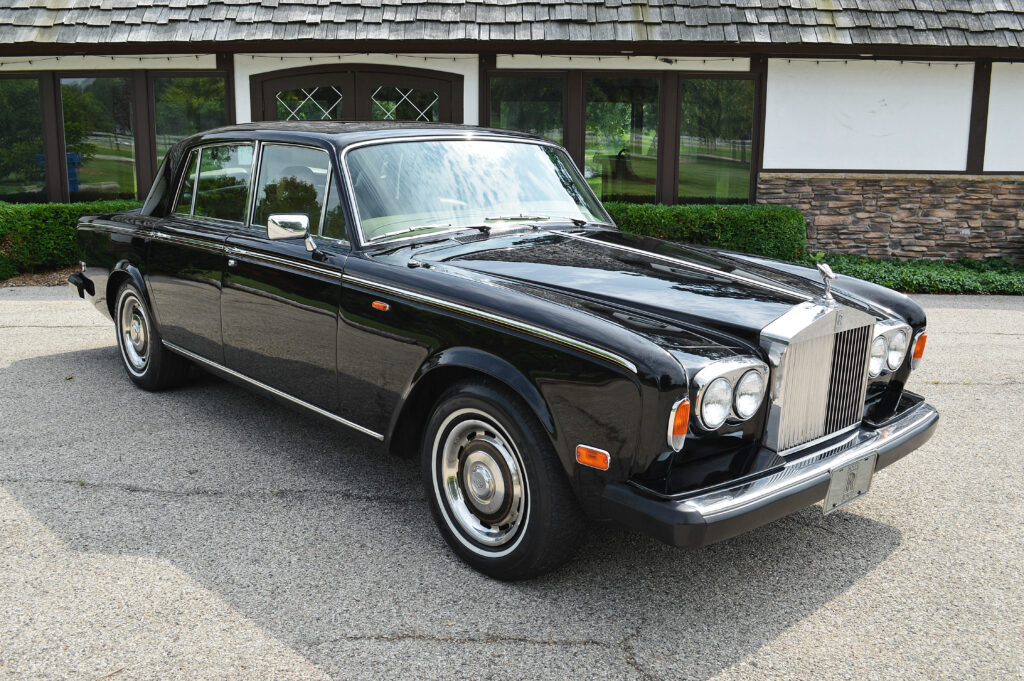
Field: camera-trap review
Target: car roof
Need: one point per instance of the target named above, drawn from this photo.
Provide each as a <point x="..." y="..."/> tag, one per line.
<point x="342" y="134"/>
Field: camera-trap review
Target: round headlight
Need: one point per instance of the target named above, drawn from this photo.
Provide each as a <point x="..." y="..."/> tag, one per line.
<point x="879" y="349"/>
<point x="715" y="403"/>
<point x="897" y="350"/>
<point x="748" y="394"/>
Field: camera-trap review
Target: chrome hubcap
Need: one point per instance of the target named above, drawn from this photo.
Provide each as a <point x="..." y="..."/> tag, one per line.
<point x="481" y="479"/>
<point x="134" y="333"/>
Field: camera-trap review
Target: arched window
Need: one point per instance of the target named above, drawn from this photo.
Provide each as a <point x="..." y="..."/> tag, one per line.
<point x="357" y="93"/>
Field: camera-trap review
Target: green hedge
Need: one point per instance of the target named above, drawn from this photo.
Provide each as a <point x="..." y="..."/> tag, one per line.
<point x="42" y="235"/>
<point x="772" y="231"/>
<point x="993" y="276"/>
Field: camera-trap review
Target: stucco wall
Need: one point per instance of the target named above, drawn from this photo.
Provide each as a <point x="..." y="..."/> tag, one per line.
<point x="862" y="115"/>
<point x="1004" y="142"/>
<point x="906" y="215"/>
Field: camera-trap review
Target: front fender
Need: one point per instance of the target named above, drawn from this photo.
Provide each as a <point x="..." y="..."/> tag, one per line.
<point x="476" y="361"/>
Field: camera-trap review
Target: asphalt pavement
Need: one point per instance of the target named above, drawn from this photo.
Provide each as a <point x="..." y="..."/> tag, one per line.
<point x="207" y="533"/>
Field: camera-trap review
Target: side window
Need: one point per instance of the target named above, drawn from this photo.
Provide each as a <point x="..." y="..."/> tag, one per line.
<point x="223" y="188"/>
<point x="184" y="205"/>
<point x="292" y="180"/>
<point x="334" y="215"/>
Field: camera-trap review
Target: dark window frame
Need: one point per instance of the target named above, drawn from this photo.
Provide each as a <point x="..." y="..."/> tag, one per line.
<point x="143" y="118"/>
<point x="669" y="110"/>
<point x="50" y="151"/>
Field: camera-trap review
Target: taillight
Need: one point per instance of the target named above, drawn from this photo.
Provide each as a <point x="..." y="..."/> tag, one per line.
<point x="678" y="424"/>
<point x="919" y="342"/>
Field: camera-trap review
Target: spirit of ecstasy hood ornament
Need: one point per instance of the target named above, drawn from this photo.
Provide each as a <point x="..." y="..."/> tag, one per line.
<point x="827" y="275"/>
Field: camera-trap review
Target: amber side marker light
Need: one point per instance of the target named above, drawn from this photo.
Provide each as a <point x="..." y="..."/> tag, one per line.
<point x="380" y="305"/>
<point x="919" y="344"/>
<point x="678" y="424"/>
<point x="593" y="457"/>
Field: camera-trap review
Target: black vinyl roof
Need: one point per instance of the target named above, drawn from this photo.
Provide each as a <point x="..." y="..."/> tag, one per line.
<point x="919" y="23"/>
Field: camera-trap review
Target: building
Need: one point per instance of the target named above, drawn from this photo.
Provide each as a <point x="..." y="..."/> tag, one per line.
<point x="894" y="124"/>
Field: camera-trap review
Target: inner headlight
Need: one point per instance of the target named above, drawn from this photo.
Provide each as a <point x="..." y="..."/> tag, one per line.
<point x="879" y="350"/>
<point x="897" y="350"/>
<point x="716" y="403"/>
<point x="749" y="391"/>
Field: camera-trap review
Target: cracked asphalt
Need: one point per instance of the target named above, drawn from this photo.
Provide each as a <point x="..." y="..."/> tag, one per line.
<point x="206" y="533"/>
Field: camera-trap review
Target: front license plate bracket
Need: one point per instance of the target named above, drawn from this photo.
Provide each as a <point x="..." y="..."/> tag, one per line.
<point x="849" y="482"/>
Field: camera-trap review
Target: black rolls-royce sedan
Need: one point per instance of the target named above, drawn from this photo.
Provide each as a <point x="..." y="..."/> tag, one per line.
<point x="460" y="295"/>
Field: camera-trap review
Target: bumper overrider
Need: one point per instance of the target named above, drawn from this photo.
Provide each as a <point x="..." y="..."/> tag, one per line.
<point x="706" y="517"/>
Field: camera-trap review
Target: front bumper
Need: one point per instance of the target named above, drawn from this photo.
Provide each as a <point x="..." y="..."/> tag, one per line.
<point x="707" y="517"/>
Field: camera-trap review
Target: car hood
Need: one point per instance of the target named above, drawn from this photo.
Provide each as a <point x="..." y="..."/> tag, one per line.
<point x="640" y="282"/>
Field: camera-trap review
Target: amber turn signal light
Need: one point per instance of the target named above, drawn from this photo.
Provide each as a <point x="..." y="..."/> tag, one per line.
<point x="380" y="305"/>
<point x="919" y="343"/>
<point x="593" y="457"/>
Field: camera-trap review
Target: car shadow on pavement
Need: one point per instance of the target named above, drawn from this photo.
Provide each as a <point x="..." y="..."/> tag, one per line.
<point x="320" y="538"/>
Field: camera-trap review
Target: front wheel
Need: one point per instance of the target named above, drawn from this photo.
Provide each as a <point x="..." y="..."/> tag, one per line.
<point x="495" y="485"/>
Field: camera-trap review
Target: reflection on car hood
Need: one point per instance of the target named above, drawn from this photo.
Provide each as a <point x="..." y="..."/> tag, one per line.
<point x="612" y="273"/>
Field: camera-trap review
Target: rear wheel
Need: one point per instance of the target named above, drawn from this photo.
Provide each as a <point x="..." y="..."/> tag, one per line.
<point x="148" y="363"/>
<point x="496" y="487"/>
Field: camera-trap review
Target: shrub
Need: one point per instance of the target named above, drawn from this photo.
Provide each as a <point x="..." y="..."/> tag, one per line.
<point x="42" y="235"/>
<point x="994" y="276"/>
<point x="768" y="230"/>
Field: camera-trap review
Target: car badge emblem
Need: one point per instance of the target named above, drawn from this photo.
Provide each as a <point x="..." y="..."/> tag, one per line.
<point x="827" y="275"/>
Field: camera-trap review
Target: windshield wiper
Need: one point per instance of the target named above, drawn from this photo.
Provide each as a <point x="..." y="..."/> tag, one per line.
<point x="579" y="222"/>
<point x="417" y="228"/>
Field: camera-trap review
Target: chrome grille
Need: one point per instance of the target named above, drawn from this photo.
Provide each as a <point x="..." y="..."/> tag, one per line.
<point x="819" y="358"/>
<point x="846" y="384"/>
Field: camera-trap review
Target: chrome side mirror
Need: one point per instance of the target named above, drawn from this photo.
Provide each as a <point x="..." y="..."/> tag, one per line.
<point x="287" y="226"/>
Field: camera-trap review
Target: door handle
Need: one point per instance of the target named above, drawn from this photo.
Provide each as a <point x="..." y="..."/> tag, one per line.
<point x="232" y="262"/>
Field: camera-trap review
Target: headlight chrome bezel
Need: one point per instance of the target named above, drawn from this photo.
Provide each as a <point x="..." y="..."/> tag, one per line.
<point x="731" y="370"/>
<point x="889" y="330"/>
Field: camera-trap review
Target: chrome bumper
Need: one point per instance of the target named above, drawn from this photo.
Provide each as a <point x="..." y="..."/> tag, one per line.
<point x="705" y="518"/>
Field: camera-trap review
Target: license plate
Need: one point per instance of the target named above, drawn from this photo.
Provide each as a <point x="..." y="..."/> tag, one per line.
<point x="849" y="482"/>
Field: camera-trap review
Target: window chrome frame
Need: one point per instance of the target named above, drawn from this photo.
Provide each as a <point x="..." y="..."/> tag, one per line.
<point x="198" y="149"/>
<point x="258" y="168"/>
<point x="469" y="136"/>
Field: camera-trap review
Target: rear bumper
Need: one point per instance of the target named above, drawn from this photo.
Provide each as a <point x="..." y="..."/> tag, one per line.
<point x="709" y="517"/>
<point x="81" y="285"/>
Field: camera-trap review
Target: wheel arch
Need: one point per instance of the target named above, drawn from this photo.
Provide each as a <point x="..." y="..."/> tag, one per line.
<point x="121" y="272"/>
<point x="444" y="369"/>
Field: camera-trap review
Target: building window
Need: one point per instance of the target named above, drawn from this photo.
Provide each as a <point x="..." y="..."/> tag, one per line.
<point x="621" y="147"/>
<point x="389" y="103"/>
<point x="716" y="120"/>
<point x="99" y="138"/>
<point x="22" y="170"/>
<point x="530" y="104"/>
<point x="185" y="105"/>
<point x="310" y="104"/>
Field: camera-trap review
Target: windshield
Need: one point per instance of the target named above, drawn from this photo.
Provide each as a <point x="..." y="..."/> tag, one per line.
<point x="409" y="188"/>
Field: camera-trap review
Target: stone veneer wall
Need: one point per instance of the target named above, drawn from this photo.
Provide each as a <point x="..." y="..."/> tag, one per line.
<point x="905" y="215"/>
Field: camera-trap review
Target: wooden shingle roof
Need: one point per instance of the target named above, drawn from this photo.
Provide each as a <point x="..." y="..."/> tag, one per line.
<point x="931" y="23"/>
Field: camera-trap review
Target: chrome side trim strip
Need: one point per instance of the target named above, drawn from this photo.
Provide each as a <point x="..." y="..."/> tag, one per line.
<point x="691" y="265"/>
<point x="213" y="246"/>
<point x="285" y="262"/>
<point x="275" y="391"/>
<point x="507" y="322"/>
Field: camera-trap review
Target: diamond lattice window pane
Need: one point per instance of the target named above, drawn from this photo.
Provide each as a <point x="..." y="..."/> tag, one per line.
<point x="309" y="104"/>
<point x="404" y="104"/>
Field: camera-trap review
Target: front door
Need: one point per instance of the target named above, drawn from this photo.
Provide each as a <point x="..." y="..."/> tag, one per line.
<point x="280" y="301"/>
<point x="358" y="93"/>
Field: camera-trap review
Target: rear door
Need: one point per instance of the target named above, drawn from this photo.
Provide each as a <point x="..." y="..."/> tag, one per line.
<point x="187" y="255"/>
<point x="280" y="301"/>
